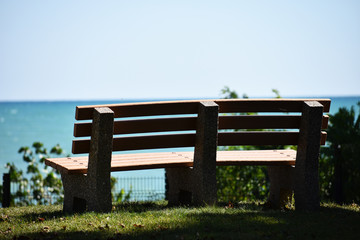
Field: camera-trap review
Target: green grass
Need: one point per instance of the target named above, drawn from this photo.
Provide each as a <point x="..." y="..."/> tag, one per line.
<point x="157" y="221"/>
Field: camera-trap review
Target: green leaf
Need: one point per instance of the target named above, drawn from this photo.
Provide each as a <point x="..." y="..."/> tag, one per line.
<point x="37" y="145"/>
<point x="23" y="149"/>
<point x="56" y="150"/>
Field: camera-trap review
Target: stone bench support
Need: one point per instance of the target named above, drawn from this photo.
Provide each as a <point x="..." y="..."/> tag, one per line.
<point x="197" y="185"/>
<point x="92" y="192"/>
<point x="307" y="159"/>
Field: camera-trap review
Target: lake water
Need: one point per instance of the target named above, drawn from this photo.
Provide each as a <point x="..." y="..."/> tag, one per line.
<point x="22" y="123"/>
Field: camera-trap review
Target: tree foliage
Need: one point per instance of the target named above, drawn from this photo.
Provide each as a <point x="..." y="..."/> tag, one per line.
<point x="41" y="185"/>
<point x="340" y="160"/>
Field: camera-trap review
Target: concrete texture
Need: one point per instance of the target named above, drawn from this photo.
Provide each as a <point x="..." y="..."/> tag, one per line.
<point x="205" y="154"/>
<point x="281" y="185"/>
<point x="197" y="185"/>
<point x="307" y="159"/>
<point x="181" y="186"/>
<point x="92" y="192"/>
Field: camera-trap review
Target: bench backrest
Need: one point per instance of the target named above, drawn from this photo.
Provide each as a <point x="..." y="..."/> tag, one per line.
<point x="175" y="123"/>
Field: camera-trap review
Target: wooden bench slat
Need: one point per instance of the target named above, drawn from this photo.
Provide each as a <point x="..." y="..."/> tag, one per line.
<point x="82" y="162"/>
<point x="142" y="126"/>
<point x="142" y="142"/>
<point x="323" y="138"/>
<point x="325" y="122"/>
<point x="256" y="157"/>
<point x="123" y="162"/>
<point x="189" y="123"/>
<point x="154" y="142"/>
<point x="266" y="105"/>
<point x="188" y="140"/>
<point x="141" y="109"/>
<point x="191" y="107"/>
<point x="261" y="138"/>
<point x="264" y="122"/>
<point x="257" y="138"/>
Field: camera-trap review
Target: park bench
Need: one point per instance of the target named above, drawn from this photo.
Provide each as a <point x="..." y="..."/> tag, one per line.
<point x="203" y="125"/>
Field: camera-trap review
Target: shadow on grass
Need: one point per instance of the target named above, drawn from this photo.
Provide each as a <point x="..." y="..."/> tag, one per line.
<point x="138" y="207"/>
<point x="242" y="221"/>
<point x="133" y="207"/>
<point x="35" y="216"/>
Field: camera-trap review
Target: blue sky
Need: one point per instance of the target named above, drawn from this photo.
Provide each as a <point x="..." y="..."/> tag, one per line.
<point x="81" y="50"/>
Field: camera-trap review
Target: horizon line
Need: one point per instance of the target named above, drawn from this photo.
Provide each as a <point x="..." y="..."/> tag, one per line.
<point x="162" y="99"/>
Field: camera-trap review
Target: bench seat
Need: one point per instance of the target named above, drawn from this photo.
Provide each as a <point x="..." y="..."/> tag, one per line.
<point x="139" y="161"/>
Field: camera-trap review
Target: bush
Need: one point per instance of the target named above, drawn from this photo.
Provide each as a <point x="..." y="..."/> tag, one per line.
<point x="36" y="188"/>
<point x="42" y="185"/>
<point x="340" y="159"/>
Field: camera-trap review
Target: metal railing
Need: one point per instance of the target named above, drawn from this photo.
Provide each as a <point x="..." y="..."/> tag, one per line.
<point x="126" y="189"/>
<point x="140" y="188"/>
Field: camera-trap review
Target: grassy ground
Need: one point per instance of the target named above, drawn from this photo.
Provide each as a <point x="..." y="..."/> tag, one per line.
<point x="157" y="221"/>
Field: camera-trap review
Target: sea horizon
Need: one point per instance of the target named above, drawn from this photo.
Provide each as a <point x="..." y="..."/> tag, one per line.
<point x="163" y="99"/>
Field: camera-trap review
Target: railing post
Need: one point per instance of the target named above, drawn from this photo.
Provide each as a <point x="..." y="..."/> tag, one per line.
<point x="6" y="190"/>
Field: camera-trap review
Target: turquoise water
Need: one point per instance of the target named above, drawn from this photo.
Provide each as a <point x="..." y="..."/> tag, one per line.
<point x="22" y="123"/>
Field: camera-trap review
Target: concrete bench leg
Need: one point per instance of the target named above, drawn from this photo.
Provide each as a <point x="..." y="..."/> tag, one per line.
<point x="281" y="185"/>
<point x="99" y="169"/>
<point x="92" y="192"/>
<point x="75" y="189"/>
<point x="197" y="185"/>
<point x="180" y="186"/>
<point x="99" y="196"/>
<point x="204" y="179"/>
<point x="307" y="158"/>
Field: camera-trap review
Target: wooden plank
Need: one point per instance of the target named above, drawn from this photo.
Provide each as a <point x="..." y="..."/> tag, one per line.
<point x="142" y="142"/>
<point x="325" y="122"/>
<point x="130" y="158"/>
<point x="141" y="109"/>
<point x="154" y="142"/>
<point x="188" y="140"/>
<point x="264" y="122"/>
<point x="254" y="162"/>
<point x="142" y="126"/>
<point x="323" y="138"/>
<point x="124" y="162"/>
<point x="256" y="158"/>
<point x="83" y="129"/>
<point x="259" y="122"/>
<point x="259" y="138"/>
<point x="266" y="105"/>
<point x="80" y="146"/>
<point x="189" y="123"/>
<point x="191" y="107"/>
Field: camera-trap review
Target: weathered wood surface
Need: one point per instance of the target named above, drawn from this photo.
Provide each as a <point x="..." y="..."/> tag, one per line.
<point x="191" y="107"/>
<point x="259" y="138"/>
<point x="189" y="123"/>
<point x="138" y="161"/>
